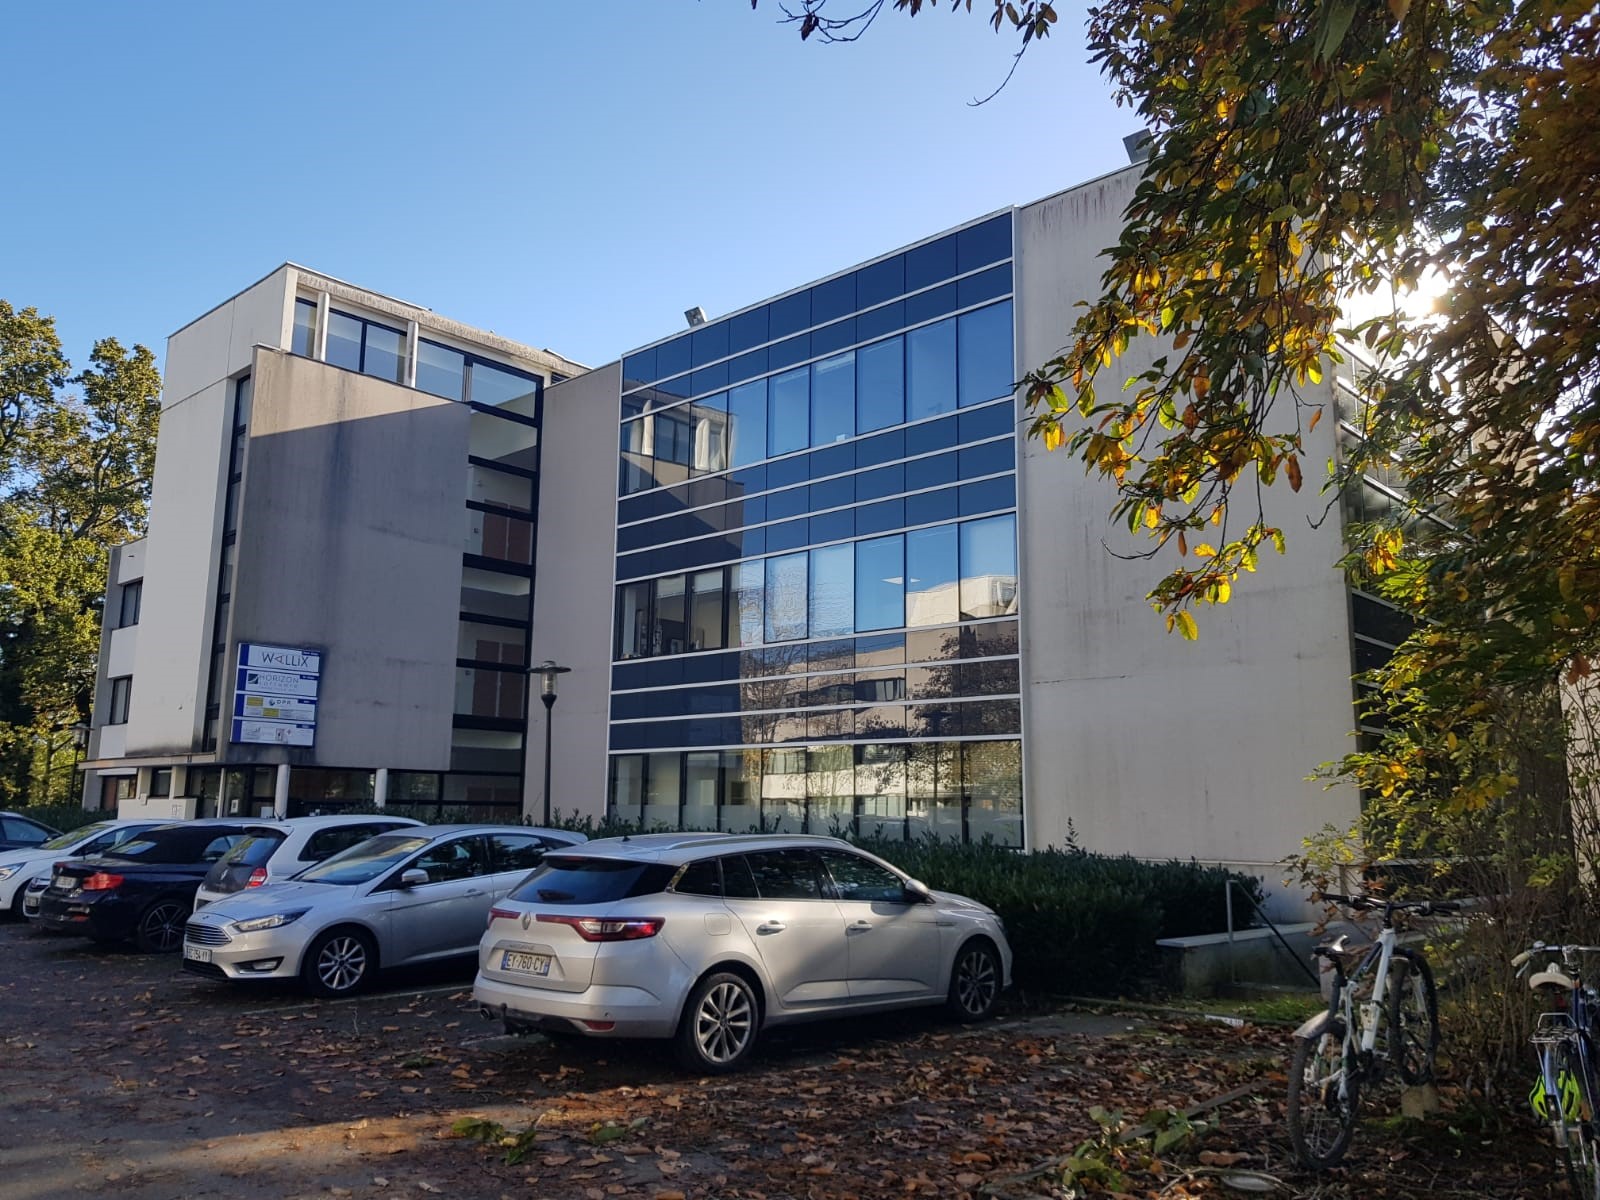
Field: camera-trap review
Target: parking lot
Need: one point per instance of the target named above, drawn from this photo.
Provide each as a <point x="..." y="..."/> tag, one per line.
<point x="124" y="1076"/>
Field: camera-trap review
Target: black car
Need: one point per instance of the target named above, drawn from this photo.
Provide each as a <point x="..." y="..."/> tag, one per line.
<point x="144" y="891"/>
<point x="18" y="832"/>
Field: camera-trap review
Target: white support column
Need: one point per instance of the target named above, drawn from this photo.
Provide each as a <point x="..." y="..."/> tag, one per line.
<point x="411" y="354"/>
<point x="380" y="785"/>
<point x="280" y="794"/>
<point x="320" y="350"/>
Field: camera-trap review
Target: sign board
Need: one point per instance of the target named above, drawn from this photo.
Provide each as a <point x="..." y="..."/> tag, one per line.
<point x="275" y="695"/>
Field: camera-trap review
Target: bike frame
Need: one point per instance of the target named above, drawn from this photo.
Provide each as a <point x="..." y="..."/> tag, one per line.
<point x="1569" y="1027"/>
<point x="1360" y="1043"/>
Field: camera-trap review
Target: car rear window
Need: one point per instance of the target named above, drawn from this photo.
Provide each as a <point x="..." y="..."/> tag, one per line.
<point x="574" y="879"/>
<point x="255" y="849"/>
<point x="172" y="843"/>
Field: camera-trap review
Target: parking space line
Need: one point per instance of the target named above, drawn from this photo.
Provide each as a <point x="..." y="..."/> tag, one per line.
<point x="283" y="1008"/>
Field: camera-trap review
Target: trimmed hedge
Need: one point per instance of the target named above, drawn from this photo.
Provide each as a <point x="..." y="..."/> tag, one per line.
<point x="1078" y="922"/>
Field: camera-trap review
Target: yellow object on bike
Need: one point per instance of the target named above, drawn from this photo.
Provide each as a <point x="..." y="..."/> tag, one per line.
<point x="1567" y="1088"/>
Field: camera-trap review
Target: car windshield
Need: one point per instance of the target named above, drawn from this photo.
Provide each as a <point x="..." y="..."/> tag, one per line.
<point x="364" y="862"/>
<point x="74" y="836"/>
<point x="573" y="879"/>
<point x="255" y="849"/>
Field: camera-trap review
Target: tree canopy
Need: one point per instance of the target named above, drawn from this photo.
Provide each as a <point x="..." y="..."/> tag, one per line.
<point x="77" y="452"/>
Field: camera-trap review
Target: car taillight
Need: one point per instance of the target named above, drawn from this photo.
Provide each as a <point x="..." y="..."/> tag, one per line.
<point x="499" y="914"/>
<point x="102" y="881"/>
<point x="257" y="877"/>
<point x="608" y="929"/>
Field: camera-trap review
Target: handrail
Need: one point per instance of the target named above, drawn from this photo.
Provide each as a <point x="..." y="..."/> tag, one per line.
<point x="1233" y="968"/>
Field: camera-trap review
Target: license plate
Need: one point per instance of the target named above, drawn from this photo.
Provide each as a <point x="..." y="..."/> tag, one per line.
<point x="533" y="964"/>
<point x="62" y="881"/>
<point x="197" y="954"/>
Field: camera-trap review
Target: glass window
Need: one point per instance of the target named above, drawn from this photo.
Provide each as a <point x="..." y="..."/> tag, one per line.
<point x="931" y="579"/>
<point x="787" y="874"/>
<point x="367" y="860"/>
<point x="833" y="590"/>
<point x="858" y="878"/>
<point x="304" y="341"/>
<point x="496" y="387"/>
<point x="706" y="625"/>
<point x="700" y="790"/>
<point x="738" y="883"/>
<point x="344" y="341"/>
<point x="747" y="424"/>
<point x="627" y="786"/>
<point x="880" y="583"/>
<point x="746" y="608"/>
<point x="740" y="808"/>
<point x="703" y="878"/>
<point x="662" y="791"/>
<point x="931" y="370"/>
<point x="497" y="439"/>
<point x="132" y="594"/>
<point x="440" y="370"/>
<point x="786" y="598"/>
<point x="514" y="851"/>
<point x="571" y="879"/>
<point x="985" y="354"/>
<point x="633" y="620"/>
<point x="674" y="436"/>
<point x="788" y="411"/>
<point x="880" y="385"/>
<point x="460" y="859"/>
<point x="121" y="694"/>
<point x="385" y="354"/>
<point x="993" y="773"/>
<point x="711" y="433"/>
<point x="833" y="399"/>
<point x="671" y="625"/>
<point x="989" y="567"/>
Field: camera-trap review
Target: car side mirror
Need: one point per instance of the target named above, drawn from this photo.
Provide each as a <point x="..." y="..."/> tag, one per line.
<point x="917" y="892"/>
<point x="415" y="877"/>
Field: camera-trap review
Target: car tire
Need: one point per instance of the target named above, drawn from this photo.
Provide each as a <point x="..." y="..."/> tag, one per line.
<point x="160" y="927"/>
<point x="339" y="962"/>
<point x="974" y="982"/>
<point x="16" y="903"/>
<point x="720" y="1023"/>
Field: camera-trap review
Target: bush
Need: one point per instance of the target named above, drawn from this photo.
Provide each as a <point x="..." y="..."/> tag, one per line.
<point x="1078" y="922"/>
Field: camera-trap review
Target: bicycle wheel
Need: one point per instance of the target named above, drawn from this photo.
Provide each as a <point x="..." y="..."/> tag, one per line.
<point x="1413" y="1004"/>
<point x="1573" y="1120"/>
<point x="1324" y="1094"/>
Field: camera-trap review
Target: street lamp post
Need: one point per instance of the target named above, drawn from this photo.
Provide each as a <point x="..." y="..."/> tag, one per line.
<point x="547" y="672"/>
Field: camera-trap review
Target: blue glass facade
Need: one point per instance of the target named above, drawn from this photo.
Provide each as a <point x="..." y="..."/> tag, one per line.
<point x="816" y="568"/>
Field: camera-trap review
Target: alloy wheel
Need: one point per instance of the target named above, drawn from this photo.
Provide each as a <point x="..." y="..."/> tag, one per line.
<point x="724" y="1022"/>
<point x="161" y="929"/>
<point x="342" y="964"/>
<point x="977" y="981"/>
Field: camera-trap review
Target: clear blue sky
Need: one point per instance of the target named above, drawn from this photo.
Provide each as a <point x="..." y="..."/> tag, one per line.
<point x="572" y="175"/>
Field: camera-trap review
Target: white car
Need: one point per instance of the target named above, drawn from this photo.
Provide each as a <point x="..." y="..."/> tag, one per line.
<point x="275" y="850"/>
<point x="709" y="938"/>
<point x="19" y="867"/>
<point x="410" y="896"/>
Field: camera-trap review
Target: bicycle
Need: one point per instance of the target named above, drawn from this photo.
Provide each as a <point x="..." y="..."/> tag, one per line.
<point x="1565" y="1092"/>
<point x="1337" y="1053"/>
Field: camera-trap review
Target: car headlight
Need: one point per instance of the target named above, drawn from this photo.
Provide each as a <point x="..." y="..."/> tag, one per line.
<point x="275" y="921"/>
<point x="8" y="872"/>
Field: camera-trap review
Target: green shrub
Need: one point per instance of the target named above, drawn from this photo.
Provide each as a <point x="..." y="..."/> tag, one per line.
<point x="1078" y="922"/>
<point x="62" y="816"/>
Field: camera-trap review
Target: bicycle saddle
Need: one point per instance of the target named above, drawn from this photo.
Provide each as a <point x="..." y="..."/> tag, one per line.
<point x="1551" y="977"/>
<point x="1338" y="948"/>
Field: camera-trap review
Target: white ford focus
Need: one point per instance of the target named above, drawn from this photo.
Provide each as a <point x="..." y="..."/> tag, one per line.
<point x="709" y="938"/>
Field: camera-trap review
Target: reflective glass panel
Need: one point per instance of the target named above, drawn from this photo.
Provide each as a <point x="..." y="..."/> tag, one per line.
<point x="662" y="791"/>
<point x="989" y="567"/>
<point x="985" y="354"/>
<point x="440" y="370"/>
<point x="706" y="625"/>
<point x="305" y="329"/>
<point x="385" y="356"/>
<point x="674" y="436"/>
<point x="627" y="786"/>
<point x="880" y="385"/>
<point x="491" y="385"/>
<point x="833" y="399"/>
<point x="671" y="625"/>
<point x="344" y="341"/>
<point x="786" y="598"/>
<point x="711" y="433"/>
<point x="788" y="411"/>
<point x="700" y="789"/>
<point x="745" y="607"/>
<point x="747" y="424"/>
<point x="833" y="591"/>
<point x="993" y="773"/>
<point x="880" y="583"/>
<point x="931" y="579"/>
<point x="931" y="370"/>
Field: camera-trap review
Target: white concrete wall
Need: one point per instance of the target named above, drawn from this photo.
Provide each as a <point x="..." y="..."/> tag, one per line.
<point x="180" y="554"/>
<point x="130" y="562"/>
<point x="572" y="590"/>
<point x="120" y="652"/>
<point x="1149" y="744"/>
